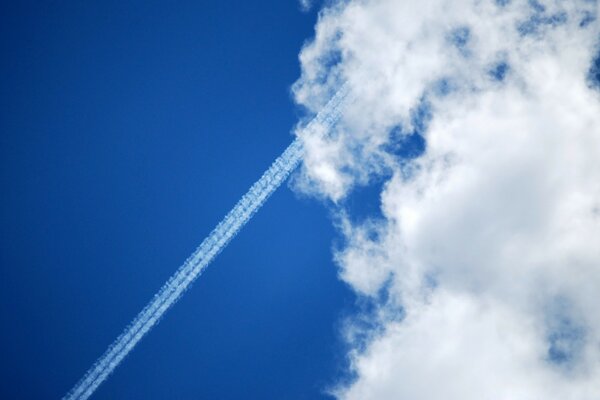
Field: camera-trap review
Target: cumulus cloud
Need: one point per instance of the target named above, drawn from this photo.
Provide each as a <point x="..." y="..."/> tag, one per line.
<point x="488" y="244"/>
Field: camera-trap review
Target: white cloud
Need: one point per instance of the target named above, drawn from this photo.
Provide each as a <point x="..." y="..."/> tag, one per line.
<point x="490" y="240"/>
<point x="460" y="346"/>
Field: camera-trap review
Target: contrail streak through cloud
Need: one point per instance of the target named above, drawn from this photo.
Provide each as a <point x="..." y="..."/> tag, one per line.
<point x="204" y="254"/>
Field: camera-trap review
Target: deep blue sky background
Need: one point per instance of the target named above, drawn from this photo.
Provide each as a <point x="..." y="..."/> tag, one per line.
<point x="128" y="129"/>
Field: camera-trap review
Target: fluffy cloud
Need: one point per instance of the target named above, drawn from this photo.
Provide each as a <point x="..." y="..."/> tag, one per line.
<point x="488" y="246"/>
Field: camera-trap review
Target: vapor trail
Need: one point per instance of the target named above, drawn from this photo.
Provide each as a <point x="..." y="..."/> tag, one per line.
<point x="214" y="243"/>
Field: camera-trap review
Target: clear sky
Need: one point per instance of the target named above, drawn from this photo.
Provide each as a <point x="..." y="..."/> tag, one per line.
<point x="128" y="130"/>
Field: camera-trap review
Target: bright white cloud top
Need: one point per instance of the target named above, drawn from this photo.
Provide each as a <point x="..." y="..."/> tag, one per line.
<point x="484" y="264"/>
<point x="214" y="243"/>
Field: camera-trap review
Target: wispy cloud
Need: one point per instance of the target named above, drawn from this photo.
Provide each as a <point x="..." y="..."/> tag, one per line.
<point x="305" y="5"/>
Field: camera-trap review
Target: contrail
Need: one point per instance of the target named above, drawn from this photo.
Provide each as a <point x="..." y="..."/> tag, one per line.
<point x="214" y="243"/>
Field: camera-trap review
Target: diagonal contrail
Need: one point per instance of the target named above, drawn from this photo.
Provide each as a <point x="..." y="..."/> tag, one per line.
<point x="204" y="254"/>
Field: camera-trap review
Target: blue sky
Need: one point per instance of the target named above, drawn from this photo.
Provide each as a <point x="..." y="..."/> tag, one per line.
<point x="459" y="195"/>
<point x="128" y="130"/>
